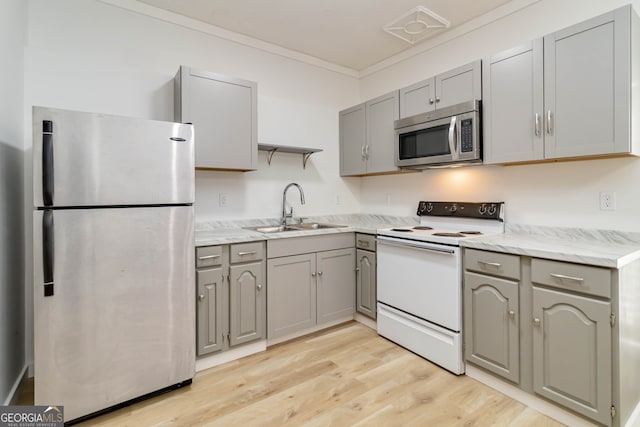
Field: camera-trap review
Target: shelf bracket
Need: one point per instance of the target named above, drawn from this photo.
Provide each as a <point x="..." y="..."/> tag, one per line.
<point x="305" y="157"/>
<point x="270" y="154"/>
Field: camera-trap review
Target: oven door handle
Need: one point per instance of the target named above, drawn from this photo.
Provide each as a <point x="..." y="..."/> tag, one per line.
<point x="405" y="244"/>
<point x="452" y="139"/>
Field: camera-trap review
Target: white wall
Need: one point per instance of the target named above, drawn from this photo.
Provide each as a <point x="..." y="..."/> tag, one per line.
<point x="12" y="35"/>
<point x="92" y="56"/>
<point x="557" y="194"/>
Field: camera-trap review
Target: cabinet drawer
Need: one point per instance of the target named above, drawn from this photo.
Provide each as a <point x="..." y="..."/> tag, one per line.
<point x="585" y="279"/>
<point x="207" y="256"/>
<point x="494" y="263"/>
<point x="242" y="252"/>
<point x="366" y="241"/>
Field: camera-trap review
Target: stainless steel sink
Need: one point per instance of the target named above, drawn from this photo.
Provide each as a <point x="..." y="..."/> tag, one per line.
<point x="314" y="226"/>
<point x="293" y="227"/>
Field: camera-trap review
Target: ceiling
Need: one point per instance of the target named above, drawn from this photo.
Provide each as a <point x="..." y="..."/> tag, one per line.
<point x="344" y="32"/>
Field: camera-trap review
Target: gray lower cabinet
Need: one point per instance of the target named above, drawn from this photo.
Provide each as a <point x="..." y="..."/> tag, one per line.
<point x="537" y="95"/>
<point x="492" y="327"/>
<point x="366" y="275"/>
<point x="555" y="329"/>
<point x="311" y="282"/>
<point x="231" y="298"/>
<point x="572" y="352"/>
<point x="223" y="111"/>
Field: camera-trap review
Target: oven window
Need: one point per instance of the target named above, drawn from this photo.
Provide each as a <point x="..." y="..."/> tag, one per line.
<point x="433" y="141"/>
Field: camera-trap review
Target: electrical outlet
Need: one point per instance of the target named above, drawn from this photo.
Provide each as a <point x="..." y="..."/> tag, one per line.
<point x="607" y="201"/>
<point x="223" y="199"/>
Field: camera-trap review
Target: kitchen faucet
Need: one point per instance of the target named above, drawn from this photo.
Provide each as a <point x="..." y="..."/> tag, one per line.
<point x="286" y="215"/>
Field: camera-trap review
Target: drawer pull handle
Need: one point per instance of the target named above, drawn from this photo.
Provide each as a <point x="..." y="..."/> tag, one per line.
<point x="247" y="253"/>
<point x="363" y="243"/>
<point x="202" y="258"/>
<point x="490" y="264"/>
<point x="563" y="277"/>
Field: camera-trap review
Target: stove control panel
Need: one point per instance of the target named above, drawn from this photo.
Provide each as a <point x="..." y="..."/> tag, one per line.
<point x="487" y="210"/>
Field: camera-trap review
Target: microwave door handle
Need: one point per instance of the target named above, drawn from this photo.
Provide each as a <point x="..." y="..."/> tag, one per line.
<point x="452" y="139"/>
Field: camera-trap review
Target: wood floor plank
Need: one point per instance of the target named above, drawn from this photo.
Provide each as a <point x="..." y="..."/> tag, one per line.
<point x="343" y="376"/>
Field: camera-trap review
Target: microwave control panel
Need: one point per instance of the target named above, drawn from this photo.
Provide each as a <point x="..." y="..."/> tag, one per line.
<point x="466" y="136"/>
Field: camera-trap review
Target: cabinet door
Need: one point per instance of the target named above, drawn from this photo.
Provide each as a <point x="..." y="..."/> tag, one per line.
<point x="291" y="296"/>
<point x="336" y="284"/>
<point x="572" y="352"/>
<point x="587" y="87"/>
<point x="366" y="283"/>
<point x="379" y="149"/>
<point x="352" y="141"/>
<point x="211" y="310"/>
<point x="513" y="105"/>
<point x="461" y="84"/>
<point x="223" y="111"/>
<point x="418" y="98"/>
<point x="491" y="324"/>
<point x="246" y="303"/>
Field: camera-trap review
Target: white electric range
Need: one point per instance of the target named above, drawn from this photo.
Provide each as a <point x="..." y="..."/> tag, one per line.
<point x="419" y="277"/>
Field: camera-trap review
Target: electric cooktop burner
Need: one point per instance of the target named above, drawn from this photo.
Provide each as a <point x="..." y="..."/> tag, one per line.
<point x="406" y="230"/>
<point x="422" y="227"/>
<point x="446" y="234"/>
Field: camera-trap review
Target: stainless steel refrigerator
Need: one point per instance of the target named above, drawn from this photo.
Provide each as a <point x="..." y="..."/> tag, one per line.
<point x="114" y="292"/>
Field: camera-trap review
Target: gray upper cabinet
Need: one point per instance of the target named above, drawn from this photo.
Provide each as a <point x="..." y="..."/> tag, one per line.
<point x="367" y="136"/>
<point x="567" y="95"/>
<point x="588" y="81"/>
<point x="572" y="352"/>
<point x="223" y="111"/>
<point x="513" y="104"/>
<point x="452" y="87"/>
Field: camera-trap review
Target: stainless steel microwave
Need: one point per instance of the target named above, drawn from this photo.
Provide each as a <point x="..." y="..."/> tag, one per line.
<point x="444" y="137"/>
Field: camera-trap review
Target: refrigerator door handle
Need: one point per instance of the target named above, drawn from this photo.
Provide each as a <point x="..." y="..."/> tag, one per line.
<point x="47" y="251"/>
<point x="47" y="162"/>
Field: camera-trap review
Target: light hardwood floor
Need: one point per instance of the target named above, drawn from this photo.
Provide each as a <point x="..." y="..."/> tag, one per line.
<point x="343" y="376"/>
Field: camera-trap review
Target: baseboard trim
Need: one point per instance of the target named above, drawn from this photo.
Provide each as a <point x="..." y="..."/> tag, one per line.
<point x="13" y="393"/>
<point x="525" y="398"/>
<point x="366" y="321"/>
<point x="207" y="362"/>
<point x="316" y="328"/>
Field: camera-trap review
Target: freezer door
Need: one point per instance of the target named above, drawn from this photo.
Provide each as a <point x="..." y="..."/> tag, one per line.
<point x="119" y="319"/>
<point x="86" y="159"/>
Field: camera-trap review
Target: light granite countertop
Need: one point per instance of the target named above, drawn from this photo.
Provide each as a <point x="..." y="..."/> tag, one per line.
<point x="232" y="231"/>
<point x="605" y="248"/>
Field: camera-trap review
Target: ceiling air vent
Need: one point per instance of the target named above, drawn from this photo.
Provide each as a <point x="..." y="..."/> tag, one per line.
<point x="416" y="25"/>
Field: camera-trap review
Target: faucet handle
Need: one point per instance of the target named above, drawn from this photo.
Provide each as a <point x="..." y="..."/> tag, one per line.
<point x="301" y="219"/>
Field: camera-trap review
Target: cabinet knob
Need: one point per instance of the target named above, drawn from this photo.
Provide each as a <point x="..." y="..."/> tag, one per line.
<point x="319" y="273"/>
<point x="200" y="297"/>
<point x="259" y="286"/>
<point x="437" y="99"/>
<point x="357" y="270"/>
<point x="536" y="321"/>
<point x="431" y="101"/>
<point x="512" y="313"/>
<point x="313" y="274"/>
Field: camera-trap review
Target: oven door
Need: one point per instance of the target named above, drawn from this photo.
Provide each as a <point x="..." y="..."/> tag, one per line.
<point x="421" y="279"/>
